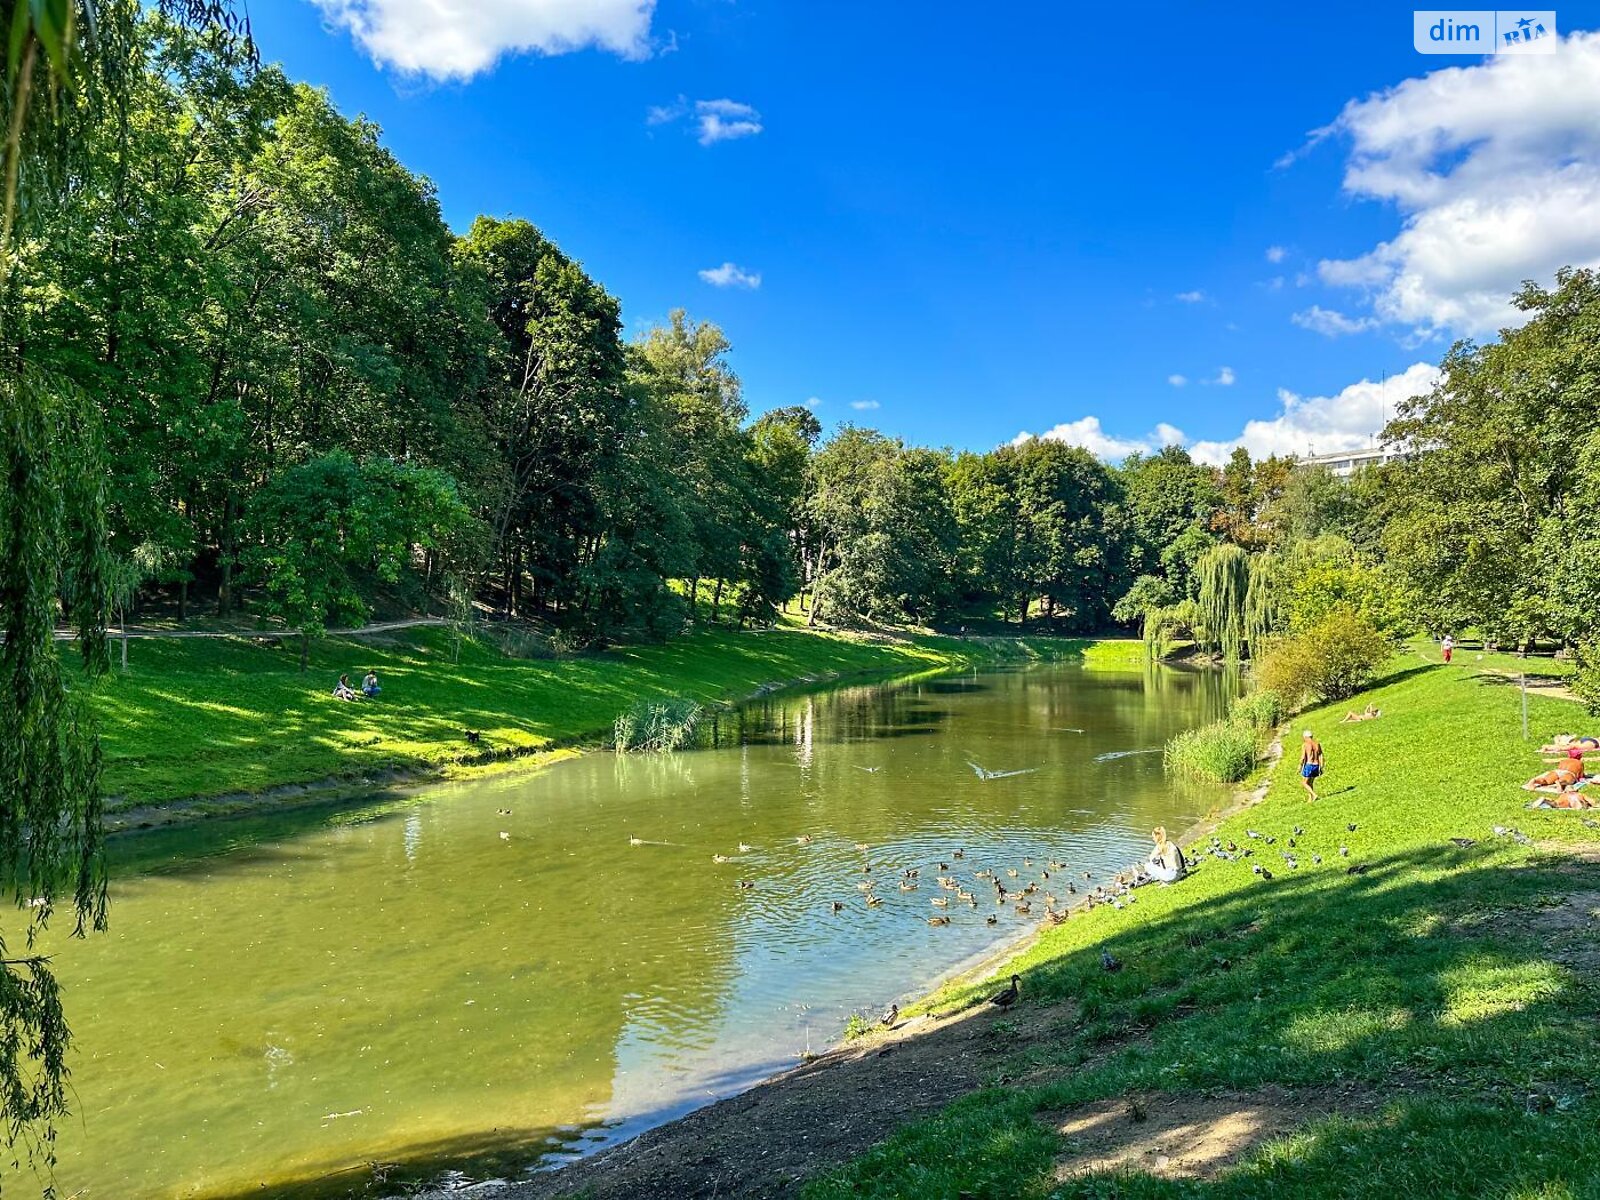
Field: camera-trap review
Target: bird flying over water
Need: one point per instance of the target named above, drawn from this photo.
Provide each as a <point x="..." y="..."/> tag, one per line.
<point x="985" y="774"/>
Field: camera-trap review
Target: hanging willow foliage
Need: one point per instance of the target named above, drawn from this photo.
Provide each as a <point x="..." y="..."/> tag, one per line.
<point x="52" y="556"/>
<point x="1224" y="575"/>
<point x="1263" y="611"/>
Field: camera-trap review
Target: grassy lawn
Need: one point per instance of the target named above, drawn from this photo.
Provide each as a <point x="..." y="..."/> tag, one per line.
<point x="1429" y="1024"/>
<point x="205" y="717"/>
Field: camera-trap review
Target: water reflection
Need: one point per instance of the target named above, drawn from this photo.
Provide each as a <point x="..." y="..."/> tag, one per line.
<point x="497" y="970"/>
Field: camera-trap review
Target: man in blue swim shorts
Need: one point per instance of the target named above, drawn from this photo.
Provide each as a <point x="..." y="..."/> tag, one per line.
<point x="1310" y="764"/>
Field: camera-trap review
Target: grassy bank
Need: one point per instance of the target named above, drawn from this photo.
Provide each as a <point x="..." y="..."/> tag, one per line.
<point x="197" y="718"/>
<point x="1424" y="1027"/>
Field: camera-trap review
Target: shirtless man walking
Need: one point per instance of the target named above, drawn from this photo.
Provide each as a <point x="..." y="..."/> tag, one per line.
<point x="1310" y="764"/>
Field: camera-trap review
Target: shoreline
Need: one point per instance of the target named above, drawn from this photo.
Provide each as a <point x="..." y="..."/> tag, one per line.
<point x="921" y="1015"/>
<point x="380" y="782"/>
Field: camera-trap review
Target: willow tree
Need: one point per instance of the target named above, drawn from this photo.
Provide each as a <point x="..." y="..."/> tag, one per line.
<point x="68" y="66"/>
<point x="1263" y="610"/>
<point x="1223" y="573"/>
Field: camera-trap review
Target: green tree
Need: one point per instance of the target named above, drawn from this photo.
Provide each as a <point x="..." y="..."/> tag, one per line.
<point x="324" y="534"/>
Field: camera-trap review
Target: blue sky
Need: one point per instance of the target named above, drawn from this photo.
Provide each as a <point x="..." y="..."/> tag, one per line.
<point x="974" y="222"/>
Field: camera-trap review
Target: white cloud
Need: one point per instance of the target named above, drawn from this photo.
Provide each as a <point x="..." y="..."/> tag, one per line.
<point x="864" y="405"/>
<point x="1276" y="254"/>
<point x="1495" y="170"/>
<point x="451" y="39"/>
<point x="1089" y="434"/>
<point x="1177" y="380"/>
<point x="1225" y="377"/>
<point x="731" y="275"/>
<point x="713" y="120"/>
<point x="1194" y="297"/>
<point x="813" y="404"/>
<point x="1305" y="425"/>
<point x="1331" y="323"/>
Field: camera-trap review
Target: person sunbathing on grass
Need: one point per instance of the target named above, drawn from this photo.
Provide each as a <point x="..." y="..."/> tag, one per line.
<point x="1566" y="741"/>
<point x="1371" y="713"/>
<point x="1564" y="774"/>
<point x="1567" y="797"/>
<point x="342" y="690"/>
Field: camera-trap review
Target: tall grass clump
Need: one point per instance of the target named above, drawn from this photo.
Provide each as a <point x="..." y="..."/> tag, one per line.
<point x="1222" y="752"/>
<point x="1261" y="710"/>
<point x="659" y="725"/>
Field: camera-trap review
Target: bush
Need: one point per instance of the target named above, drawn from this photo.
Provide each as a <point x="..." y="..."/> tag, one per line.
<point x="1330" y="660"/>
<point x="1222" y="752"/>
<point x="659" y="725"/>
<point x="1262" y="710"/>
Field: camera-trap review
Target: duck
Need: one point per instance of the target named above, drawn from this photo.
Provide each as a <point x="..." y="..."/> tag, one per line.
<point x="985" y="874"/>
<point x="873" y="901"/>
<point x="958" y="854"/>
<point x="938" y="920"/>
<point x="746" y="884"/>
<point x="1055" y="866"/>
<point x="1023" y="907"/>
<point x="965" y="896"/>
<point x="719" y="858"/>
<point x="838" y="906"/>
<point x="907" y="886"/>
<point x="889" y="1018"/>
<point x="991" y="919"/>
<point x="1007" y="996"/>
<point x="863" y="847"/>
<point x="1011" y="872"/>
<point x="1030" y="889"/>
<point x="502" y="812"/>
<point x="803" y="840"/>
<point x="939" y="902"/>
<point x="1027" y="862"/>
<point x="944" y="866"/>
<point x="1351" y="828"/>
<point x="1072" y="889"/>
<point x="864" y="886"/>
<point x="504" y="836"/>
<point x="745" y="848"/>
<point x="635" y="841"/>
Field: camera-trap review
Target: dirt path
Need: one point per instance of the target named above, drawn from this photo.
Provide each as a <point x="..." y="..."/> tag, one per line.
<point x="768" y="1140"/>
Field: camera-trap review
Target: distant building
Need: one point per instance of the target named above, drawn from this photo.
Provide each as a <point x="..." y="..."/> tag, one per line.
<point x="1347" y="462"/>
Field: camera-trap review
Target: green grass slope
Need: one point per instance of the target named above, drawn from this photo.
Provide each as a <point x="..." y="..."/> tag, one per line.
<point x="200" y="717"/>
<point x="1444" y="999"/>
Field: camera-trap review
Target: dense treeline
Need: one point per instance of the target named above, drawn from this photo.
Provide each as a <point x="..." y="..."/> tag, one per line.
<point x="311" y="391"/>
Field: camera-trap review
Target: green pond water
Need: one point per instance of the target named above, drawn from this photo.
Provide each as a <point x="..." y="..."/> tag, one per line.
<point x="490" y="978"/>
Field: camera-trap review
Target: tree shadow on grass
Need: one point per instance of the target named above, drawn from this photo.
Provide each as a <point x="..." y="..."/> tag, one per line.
<point x="1429" y="981"/>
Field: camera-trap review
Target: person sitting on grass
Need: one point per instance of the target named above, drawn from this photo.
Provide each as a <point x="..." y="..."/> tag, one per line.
<point x="342" y="690"/>
<point x="1568" y="797"/>
<point x="1371" y="713"/>
<point x="1565" y="774"/>
<point x="1166" y="863"/>
<point x="369" y="685"/>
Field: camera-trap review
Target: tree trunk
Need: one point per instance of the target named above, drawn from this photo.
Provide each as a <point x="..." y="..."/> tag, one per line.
<point x="694" y="600"/>
<point x="122" y="620"/>
<point x="716" y="602"/>
<point x="226" y="546"/>
<point x="1022" y="611"/>
<point x="305" y="651"/>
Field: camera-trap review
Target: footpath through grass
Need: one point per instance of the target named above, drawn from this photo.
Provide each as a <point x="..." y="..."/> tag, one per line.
<point x="199" y="718"/>
<point x="1426" y="1027"/>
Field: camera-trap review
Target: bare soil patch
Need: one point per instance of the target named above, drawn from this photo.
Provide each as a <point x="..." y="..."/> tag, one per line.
<point x="767" y="1141"/>
<point x="1190" y="1137"/>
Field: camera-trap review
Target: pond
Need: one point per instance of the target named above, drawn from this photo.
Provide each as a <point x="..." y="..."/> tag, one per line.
<point x="489" y="977"/>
